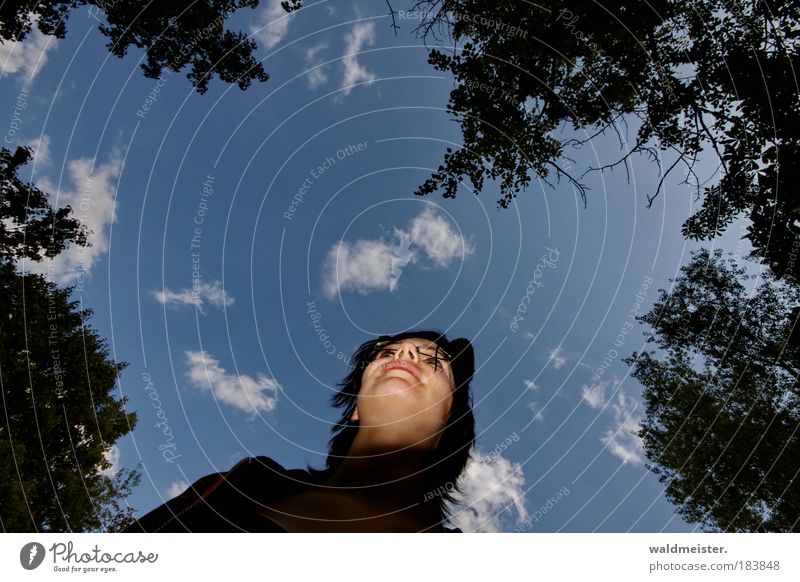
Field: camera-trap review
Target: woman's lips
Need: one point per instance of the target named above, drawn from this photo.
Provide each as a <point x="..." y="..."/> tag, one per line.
<point x="400" y="366"/>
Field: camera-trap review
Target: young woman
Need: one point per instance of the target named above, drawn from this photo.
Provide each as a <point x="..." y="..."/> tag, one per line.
<point x="394" y="460"/>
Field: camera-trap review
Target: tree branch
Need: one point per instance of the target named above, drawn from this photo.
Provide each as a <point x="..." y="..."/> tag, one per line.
<point x="392" y="12"/>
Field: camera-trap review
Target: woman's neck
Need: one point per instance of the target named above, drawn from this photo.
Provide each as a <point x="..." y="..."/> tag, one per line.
<point x="391" y="481"/>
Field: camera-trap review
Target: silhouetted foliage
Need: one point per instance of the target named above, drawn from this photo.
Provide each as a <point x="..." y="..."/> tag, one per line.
<point x="59" y="413"/>
<point x="29" y="227"/>
<point x="713" y="76"/>
<point x="175" y="34"/>
<point x="722" y="429"/>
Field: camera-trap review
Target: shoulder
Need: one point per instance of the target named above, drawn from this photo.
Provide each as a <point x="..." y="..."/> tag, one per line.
<point x="224" y="501"/>
<point x="263" y="477"/>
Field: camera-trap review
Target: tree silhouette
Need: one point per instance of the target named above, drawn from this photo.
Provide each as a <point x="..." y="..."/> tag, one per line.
<point x="536" y="80"/>
<point x="58" y="414"/>
<point x="722" y="427"/>
<point x="175" y="34"/>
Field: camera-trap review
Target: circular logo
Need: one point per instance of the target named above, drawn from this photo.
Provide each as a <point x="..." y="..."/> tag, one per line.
<point x="31" y="555"/>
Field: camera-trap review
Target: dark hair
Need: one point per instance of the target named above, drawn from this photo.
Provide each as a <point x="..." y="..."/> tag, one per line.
<point x="458" y="436"/>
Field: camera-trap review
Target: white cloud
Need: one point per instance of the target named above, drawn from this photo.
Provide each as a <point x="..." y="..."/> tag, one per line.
<point x="271" y="24"/>
<point x="435" y="235"/>
<point x="205" y="293"/>
<point x="376" y="264"/>
<point x="363" y="266"/>
<point x="315" y="76"/>
<point x="41" y="150"/>
<point x="490" y="489"/>
<point x="92" y="198"/>
<point x="537" y="411"/>
<point x="243" y="392"/>
<point x="595" y="395"/>
<point x="313" y="51"/>
<point x="530" y="385"/>
<point x="176" y="488"/>
<point x="555" y="356"/>
<point x="361" y="34"/>
<point x="112" y="455"/>
<point x="28" y="56"/>
<point x="619" y="439"/>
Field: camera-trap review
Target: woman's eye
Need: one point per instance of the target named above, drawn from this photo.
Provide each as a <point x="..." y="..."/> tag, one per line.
<point x="435" y="363"/>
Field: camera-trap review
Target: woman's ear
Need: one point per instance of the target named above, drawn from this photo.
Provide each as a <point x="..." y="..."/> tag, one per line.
<point x="354" y="416"/>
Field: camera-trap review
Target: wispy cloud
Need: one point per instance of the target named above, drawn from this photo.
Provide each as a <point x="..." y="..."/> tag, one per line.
<point x="205" y="293"/>
<point x="435" y="235"/>
<point x="92" y="198"/>
<point x="176" y="488"/>
<point x="112" y="455"/>
<point x="491" y="488"/>
<point x="315" y="75"/>
<point x="536" y="409"/>
<point x="595" y="394"/>
<point x="271" y="24"/>
<point x="372" y="265"/>
<point x="363" y="266"/>
<point x="27" y="56"/>
<point x="361" y="34"/>
<point x="247" y="394"/>
<point x="620" y="438"/>
<point x="556" y="358"/>
<point x="530" y="385"/>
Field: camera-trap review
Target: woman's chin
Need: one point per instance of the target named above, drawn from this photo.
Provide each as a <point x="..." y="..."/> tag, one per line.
<point x="396" y="385"/>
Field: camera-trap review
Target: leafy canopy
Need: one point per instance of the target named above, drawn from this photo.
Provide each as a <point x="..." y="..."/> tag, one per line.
<point x="711" y="78"/>
<point x="722" y="427"/>
<point x="175" y="34"/>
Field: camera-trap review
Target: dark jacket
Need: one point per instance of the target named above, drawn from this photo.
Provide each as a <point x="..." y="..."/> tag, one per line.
<point x="229" y="501"/>
<point x="226" y="502"/>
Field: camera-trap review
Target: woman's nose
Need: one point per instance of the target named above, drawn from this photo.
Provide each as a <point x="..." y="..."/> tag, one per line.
<point x="408" y="351"/>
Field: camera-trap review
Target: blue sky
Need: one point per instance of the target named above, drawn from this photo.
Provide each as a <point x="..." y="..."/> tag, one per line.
<point x="231" y="228"/>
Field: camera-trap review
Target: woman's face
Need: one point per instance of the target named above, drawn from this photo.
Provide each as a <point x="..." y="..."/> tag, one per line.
<point x="406" y="392"/>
